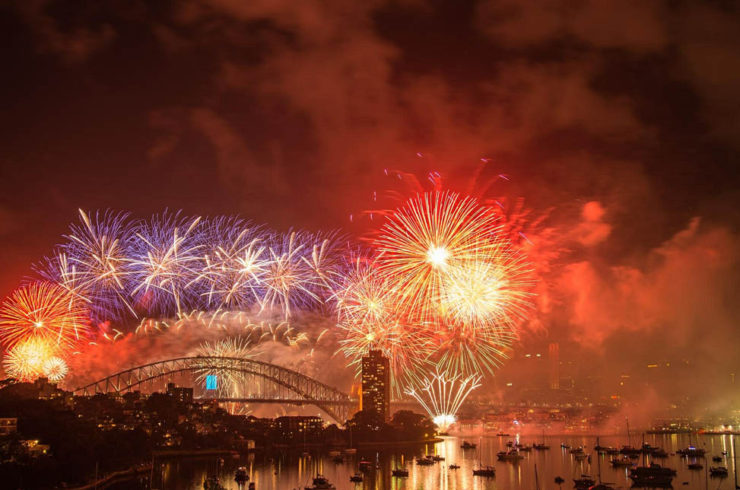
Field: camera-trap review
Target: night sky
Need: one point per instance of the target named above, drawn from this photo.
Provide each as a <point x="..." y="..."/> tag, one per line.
<point x="616" y="121"/>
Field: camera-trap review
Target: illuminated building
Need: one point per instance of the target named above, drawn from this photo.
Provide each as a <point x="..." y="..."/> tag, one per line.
<point x="296" y="427"/>
<point x="376" y="384"/>
<point x="183" y="395"/>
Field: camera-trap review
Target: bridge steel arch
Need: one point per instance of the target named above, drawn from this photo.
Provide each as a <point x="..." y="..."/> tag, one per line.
<point x="308" y="390"/>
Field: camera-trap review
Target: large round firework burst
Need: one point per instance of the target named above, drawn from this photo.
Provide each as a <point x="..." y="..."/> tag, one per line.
<point x="419" y="244"/>
<point x="44" y="311"/>
<point x="25" y="361"/>
<point x="495" y="290"/>
<point x="55" y="369"/>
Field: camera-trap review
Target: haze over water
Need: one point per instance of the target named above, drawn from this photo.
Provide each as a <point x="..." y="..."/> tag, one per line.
<point x="285" y="472"/>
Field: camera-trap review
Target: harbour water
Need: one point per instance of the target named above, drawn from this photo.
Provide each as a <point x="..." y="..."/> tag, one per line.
<point x="285" y="471"/>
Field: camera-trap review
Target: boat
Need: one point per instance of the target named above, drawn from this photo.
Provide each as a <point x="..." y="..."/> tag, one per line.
<point x="540" y="447"/>
<point x="425" y="461"/>
<point x="612" y="451"/>
<point x="576" y="450"/>
<point x="365" y="465"/>
<point x="487" y="471"/>
<point x="523" y="448"/>
<point x="692" y="452"/>
<point x="356" y="478"/>
<point x="438" y="458"/>
<point x="400" y="472"/>
<point x="468" y="445"/>
<point x="241" y="475"/>
<point x="629" y="450"/>
<point x="564" y="445"/>
<point x="321" y="483"/>
<point x="511" y="455"/>
<point x="696" y="466"/>
<point x="584" y="482"/>
<point x="454" y="466"/>
<point x="718" y="472"/>
<point x="717" y="459"/>
<point x="660" y="453"/>
<point x="652" y="476"/>
<point x="503" y="434"/>
<point x="601" y="485"/>
<point x="624" y="461"/>
<point x="212" y="483"/>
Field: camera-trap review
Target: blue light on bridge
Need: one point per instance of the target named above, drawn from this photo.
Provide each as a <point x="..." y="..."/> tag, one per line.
<point x="211" y="382"/>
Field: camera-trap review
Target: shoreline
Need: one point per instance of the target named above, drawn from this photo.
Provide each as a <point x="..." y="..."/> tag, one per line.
<point x="184" y="453"/>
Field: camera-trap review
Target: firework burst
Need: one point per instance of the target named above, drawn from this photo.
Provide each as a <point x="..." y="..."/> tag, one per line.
<point x="422" y="241"/>
<point x="96" y="249"/>
<point x="25" y="361"/>
<point x="442" y="394"/>
<point x="45" y="311"/>
<point x="55" y="369"/>
<point x="165" y="260"/>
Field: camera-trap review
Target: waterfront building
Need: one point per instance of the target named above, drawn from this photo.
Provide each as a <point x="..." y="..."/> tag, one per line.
<point x="376" y="384"/>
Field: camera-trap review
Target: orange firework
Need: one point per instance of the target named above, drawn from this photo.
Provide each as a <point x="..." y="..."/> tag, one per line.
<point x="26" y="360"/>
<point x="42" y="311"/>
<point x="421" y="242"/>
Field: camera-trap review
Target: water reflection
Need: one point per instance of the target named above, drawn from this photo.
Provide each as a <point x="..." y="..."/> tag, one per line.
<point x="284" y="471"/>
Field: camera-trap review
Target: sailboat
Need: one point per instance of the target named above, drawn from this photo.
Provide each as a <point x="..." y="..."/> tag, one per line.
<point x="628" y="450"/>
<point x="601" y="485"/>
<point x="487" y="471"/>
<point x="543" y="446"/>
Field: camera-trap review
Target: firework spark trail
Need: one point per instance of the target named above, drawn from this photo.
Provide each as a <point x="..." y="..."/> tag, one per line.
<point x="42" y="310"/>
<point x="441" y="395"/>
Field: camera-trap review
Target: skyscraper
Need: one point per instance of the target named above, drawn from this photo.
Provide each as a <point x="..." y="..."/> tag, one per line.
<point x="376" y="384"/>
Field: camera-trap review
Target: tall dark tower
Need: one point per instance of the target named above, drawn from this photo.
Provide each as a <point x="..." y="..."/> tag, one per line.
<point x="376" y="384"/>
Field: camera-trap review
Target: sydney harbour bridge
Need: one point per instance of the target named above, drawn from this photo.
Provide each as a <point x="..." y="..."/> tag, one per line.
<point x="262" y="382"/>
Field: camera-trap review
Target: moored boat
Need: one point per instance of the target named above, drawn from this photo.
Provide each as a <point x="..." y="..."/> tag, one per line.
<point x="652" y="476"/>
<point x="487" y="471"/>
